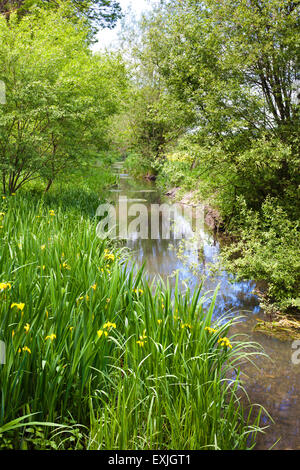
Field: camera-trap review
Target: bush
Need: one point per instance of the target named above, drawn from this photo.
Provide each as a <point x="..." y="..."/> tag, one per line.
<point x="139" y="165"/>
<point x="268" y="249"/>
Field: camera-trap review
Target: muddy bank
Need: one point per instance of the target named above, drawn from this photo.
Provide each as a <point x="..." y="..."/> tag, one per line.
<point x="284" y="329"/>
<point x="212" y="216"/>
<point x="284" y="326"/>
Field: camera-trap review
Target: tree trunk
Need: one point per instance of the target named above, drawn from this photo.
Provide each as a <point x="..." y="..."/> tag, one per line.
<point x="50" y="181"/>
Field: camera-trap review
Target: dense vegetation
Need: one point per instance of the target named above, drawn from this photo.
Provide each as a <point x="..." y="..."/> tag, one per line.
<point x="103" y="13"/>
<point x="96" y="357"/>
<point x="117" y="363"/>
<point x="218" y="83"/>
<point x="57" y="112"/>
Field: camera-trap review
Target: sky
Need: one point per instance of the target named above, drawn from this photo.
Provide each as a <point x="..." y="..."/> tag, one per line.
<point x="107" y="38"/>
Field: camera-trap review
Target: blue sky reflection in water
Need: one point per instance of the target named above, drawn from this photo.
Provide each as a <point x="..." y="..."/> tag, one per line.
<point x="163" y="257"/>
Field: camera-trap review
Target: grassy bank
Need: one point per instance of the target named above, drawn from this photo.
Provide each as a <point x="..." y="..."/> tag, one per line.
<point x="92" y="347"/>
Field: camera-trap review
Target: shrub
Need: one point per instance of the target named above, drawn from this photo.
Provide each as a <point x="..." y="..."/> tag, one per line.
<point x="268" y="249"/>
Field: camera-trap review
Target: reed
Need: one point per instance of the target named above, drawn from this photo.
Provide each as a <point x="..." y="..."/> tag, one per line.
<point x="91" y="345"/>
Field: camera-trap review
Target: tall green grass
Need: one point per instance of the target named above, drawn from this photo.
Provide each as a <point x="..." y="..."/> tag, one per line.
<point x="90" y="344"/>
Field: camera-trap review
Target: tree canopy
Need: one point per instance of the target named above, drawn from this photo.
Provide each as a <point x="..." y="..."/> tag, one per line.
<point x="235" y="65"/>
<point x="100" y="13"/>
<point x="59" y="96"/>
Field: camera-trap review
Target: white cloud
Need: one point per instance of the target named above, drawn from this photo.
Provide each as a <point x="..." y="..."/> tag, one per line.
<point x="107" y="38"/>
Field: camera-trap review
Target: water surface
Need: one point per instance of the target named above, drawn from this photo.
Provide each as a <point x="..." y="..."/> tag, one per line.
<point x="274" y="383"/>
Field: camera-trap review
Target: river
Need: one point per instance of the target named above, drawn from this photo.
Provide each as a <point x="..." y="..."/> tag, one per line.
<point x="275" y="382"/>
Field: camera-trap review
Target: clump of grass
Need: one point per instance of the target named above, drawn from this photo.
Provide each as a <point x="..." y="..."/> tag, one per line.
<point x="90" y="343"/>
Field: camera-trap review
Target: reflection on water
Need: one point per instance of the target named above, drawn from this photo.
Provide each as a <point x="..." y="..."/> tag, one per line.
<point x="274" y="383"/>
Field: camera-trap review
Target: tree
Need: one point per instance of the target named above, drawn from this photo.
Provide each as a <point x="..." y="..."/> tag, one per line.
<point x="100" y="13"/>
<point x="237" y="64"/>
<point x="154" y="119"/>
<point x="247" y="52"/>
<point x="59" y="97"/>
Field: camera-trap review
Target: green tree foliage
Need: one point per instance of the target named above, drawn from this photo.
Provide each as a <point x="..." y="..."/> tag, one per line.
<point x="101" y="13"/>
<point x="59" y="97"/>
<point x="154" y="119"/>
<point x="270" y="249"/>
<point x="237" y="64"/>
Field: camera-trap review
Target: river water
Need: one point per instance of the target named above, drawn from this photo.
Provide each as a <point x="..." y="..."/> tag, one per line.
<point x="275" y="382"/>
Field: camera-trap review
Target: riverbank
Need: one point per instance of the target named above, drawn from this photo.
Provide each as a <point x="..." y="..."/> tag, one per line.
<point x="212" y="216"/>
<point x="279" y="299"/>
